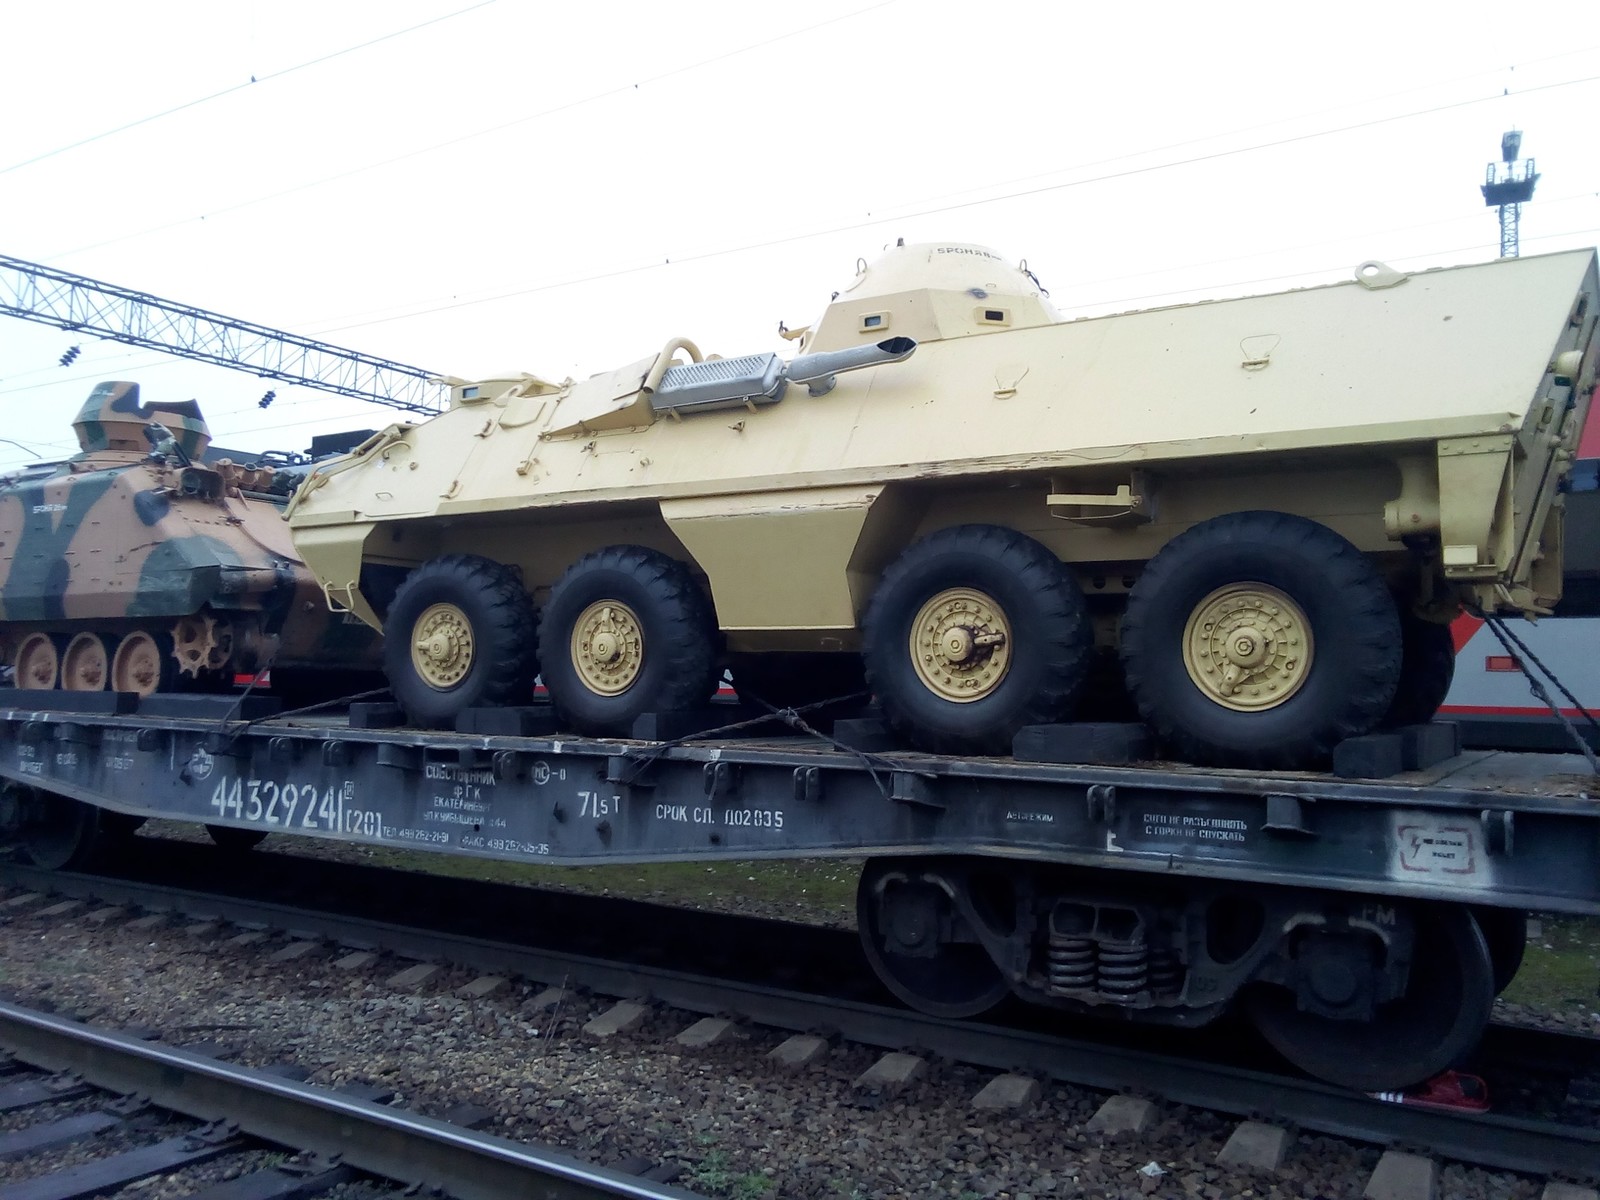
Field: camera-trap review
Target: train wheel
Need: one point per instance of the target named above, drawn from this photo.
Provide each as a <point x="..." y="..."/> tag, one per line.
<point x="1437" y="1023"/>
<point x="55" y="833"/>
<point x="909" y="926"/>
<point x="235" y="841"/>
<point x="459" y="635"/>
<point x="1260" y="639"/>
<point x="37" y="662"/>
<point x="975" y="632"/>
<point x="1427" y="668"/>
<point x="627" y="631"/>
<point x="85" y="664"/>
<point x="786" y="680"/>
<point x="1505" y="932"/>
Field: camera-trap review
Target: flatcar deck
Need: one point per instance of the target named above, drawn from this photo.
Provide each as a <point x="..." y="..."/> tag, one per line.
<point x="1486" y="828"/>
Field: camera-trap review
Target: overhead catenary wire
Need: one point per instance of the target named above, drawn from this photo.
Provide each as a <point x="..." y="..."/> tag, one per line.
<point x="239" y="87"/>
<point x="680" y="258"/>
<point x="974" y="202"/>
<point x="580" y="102"/>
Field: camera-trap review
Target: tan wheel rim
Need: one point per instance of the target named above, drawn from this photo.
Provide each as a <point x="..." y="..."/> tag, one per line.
<point x="37" y="662"/>
<point x="1248" y="647"/>
<point x="136" y="666"/>
<point x="961" y="645"/>
<point x="608" y="647"/>
<point x="442" y="646"/>
<point x="85" y="665"/>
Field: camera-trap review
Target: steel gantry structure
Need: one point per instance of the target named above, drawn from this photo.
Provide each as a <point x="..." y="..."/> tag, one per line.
<point x="50" y="296"/>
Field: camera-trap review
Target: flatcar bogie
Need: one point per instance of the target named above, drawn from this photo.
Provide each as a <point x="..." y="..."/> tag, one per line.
<point x="1374" y="996"/>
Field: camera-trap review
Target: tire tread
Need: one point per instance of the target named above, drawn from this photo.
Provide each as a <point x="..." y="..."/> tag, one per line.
<point x="689" y="669"/>
<point x="1065" y="661"/>
<point x="507" y="637"/>
<point x="1369" y="607"/>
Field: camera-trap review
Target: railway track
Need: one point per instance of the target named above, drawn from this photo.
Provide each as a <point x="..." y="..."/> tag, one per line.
<point x="1532" y="1143"/>
<point x="113" y="1079"/>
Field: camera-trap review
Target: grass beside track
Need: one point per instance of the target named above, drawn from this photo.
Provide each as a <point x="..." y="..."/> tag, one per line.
<point x="1561" y="972"/>
<point x="816" y="891"/>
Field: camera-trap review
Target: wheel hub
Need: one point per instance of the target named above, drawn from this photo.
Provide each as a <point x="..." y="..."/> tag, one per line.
<point x="442" y="646"/>
<point x="85" y="665"/>
<point x="1248" y="646"/>
<point x="961" y="645"/>
<point x="608" y="647"/>
<point x="920" y="946"/>
<point x="37" y="664"/>
<point x="136" y="666"/>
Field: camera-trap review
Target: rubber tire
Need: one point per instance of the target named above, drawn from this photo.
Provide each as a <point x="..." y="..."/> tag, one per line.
<point x="792" y="680"/>
<point x="1050" y="628"/>
<point x="1355" y="630"/>
<point x="500" y="613"/>
<point x="1427" y="668"/>
<point x="679" y="670"/>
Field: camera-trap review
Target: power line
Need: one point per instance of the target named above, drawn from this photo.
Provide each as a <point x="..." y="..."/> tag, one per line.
<point x="238" y="87"/>
<point x="1210" y="288"/>
<point x="593" y="98"/>
<point x="1212" y="156"/>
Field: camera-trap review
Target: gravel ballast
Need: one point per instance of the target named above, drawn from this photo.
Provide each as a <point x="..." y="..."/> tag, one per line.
<point x="734" y="1124"/>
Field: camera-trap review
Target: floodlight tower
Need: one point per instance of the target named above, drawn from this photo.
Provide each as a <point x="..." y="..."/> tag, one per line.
<point x="1509" y="189"/>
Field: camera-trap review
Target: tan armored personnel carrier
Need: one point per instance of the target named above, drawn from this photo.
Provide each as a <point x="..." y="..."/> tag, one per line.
<point x="137" y="566"/>
<point x="1266" y="509"/>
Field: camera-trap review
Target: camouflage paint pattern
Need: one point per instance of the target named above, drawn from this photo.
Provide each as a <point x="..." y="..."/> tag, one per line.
<point x="136" y="532"/>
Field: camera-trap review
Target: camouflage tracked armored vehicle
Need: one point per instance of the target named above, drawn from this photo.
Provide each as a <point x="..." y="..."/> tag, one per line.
<point x="1263" y="511"/>
<point x="136" y="566"/>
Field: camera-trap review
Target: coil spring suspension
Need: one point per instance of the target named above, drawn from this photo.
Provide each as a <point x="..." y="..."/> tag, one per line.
<point x="1166" y="972"/>
<point x="1070" y="963"/>
<point x="1124" y="969"/>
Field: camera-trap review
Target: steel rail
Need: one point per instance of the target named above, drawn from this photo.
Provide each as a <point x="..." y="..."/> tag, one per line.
<point x="370" y="1137"/>
<point x="1489" y="1140"/>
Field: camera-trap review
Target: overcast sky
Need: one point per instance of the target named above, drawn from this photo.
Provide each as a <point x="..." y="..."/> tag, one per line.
<point x="472" y="187"/>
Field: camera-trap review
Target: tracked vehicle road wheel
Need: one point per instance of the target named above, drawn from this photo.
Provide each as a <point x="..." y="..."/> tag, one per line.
<point x="143" y="663"/>
<point x="786" y="680"/>
<point x="975" y="632"/>
<point x="1433" y="1027"/>
<point x="85" y="664"/>
<point x="459" y="635"/>
<point x="1260" y="639"/>
<point x="37" y="662"/>
<point x="627" y="631"/>
<point x="1427" y="668"/>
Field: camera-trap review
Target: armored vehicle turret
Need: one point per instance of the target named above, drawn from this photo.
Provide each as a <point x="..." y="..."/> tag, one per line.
<point x="139" y="566"/>
<point x="1261" y="512"/>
